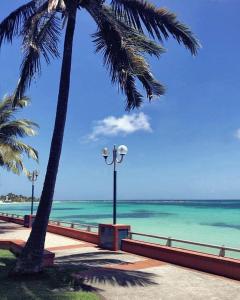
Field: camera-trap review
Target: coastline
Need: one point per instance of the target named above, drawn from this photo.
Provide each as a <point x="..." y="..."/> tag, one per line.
<point x="23" y="202"/>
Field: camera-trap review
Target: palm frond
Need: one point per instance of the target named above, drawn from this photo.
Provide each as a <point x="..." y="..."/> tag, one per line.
<point x="11" y="146"/>
<point x="21" y="128"/>
<point x="11" y="25"/>
<point x="7" y="102"/>
<point x="134" y="98"/>
<point x="122" y="52"/>
<point x="7" y="110"/>
<point x="40" y="33"/>
<point x="28" y="150"/>
<point x="11" y="160"/>
<point x="159" y="22"/>
<point x="11" y="149"/>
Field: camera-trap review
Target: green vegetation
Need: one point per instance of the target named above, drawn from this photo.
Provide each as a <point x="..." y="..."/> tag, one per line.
<point x="10" y="197"/>
<point x="11" y="149"/>
<point x="54" y="284"/>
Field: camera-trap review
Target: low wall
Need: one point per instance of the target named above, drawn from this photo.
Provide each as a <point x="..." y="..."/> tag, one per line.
<point x="19" y="221"/>
<point x="5" y="244"/>
<point x="222" y="266"/>
<point x="83" y="235"/>
<point x="78" y="234"/>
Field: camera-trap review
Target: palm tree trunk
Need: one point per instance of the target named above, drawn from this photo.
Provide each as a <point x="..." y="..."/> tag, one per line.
<point x="30" y="260"/>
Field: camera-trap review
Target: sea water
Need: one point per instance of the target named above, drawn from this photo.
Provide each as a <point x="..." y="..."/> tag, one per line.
<point x="206" y="221"/>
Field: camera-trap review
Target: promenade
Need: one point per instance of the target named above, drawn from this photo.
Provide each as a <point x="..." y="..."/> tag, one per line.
<point x="122" y="276"/>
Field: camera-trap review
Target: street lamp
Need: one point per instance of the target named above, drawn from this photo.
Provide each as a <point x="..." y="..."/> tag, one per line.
<point x="33" y="177"/>
<point x="121" y="150"/>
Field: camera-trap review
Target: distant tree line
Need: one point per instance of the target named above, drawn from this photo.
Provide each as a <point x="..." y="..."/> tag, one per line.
<point x="10" y="197"/>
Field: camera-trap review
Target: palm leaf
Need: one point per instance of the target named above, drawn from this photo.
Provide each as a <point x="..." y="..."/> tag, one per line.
<point x="28" y="150"/>
<point x="11" y="160"/>
<point x="11" y="25"/>
<point x="11" y="146"/>
<point x="159" y="22"/>
<point x="122" y="56"/>
<point x="134" y="98"/>
<point x="7" y="110"/>
<point x="40" y="38"/>
<point x="21" y="128"/>
<point x="11" y="149"/>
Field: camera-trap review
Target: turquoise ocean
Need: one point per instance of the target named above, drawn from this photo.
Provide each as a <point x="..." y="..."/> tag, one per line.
<point x="207" y="221"/>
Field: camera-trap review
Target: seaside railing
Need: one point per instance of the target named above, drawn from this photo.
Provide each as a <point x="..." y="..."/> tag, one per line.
<point x="11" y="215"/>
<point x="169" y="243"/>
<point x="87" y="227"/>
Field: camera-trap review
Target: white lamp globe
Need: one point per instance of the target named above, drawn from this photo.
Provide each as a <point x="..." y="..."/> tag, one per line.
<point x="122" y="150"/>
<point x="105" y="152"/>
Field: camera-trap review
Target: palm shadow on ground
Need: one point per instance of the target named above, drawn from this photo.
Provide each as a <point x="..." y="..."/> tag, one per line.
<point x="52" y="284"/>
<point x="6" y="227"/>
<point x="93" y="268"/>
<point x="71" y="276"/>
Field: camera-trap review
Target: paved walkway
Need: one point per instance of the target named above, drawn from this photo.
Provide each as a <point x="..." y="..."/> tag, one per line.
<point x="123" y="276"/>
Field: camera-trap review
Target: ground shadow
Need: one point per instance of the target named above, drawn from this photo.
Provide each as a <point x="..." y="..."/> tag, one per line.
<point x="87" y="255"/>
<point x="71" y="275"/>
<point x="53" y="283"/>
<point x="94" y="259"/>
<point x="6" y="227"/>
<point x="92" y="268"/>
<point x="115" y="277"/>
<point x="5" y="230"/>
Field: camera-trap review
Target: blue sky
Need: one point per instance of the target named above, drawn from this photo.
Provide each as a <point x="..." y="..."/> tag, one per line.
<point x="186" y="145"/>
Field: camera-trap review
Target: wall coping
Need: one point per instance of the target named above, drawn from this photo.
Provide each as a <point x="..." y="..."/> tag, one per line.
<point x="222" y="266"/>
<point x="184" y="251"/>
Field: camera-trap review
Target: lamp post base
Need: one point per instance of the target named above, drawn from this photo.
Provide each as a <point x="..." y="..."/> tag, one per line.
<point x="111" y="235"/>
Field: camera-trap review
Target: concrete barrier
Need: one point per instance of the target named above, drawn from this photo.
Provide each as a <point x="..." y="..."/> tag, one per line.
<point x="222" y="266"/>
<point x="19" y="221"/>
<point x="90" y="237"/>
<point x="78" y="234"/>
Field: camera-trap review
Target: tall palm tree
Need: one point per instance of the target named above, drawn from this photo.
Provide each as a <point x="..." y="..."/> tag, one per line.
<point x="12" y="149"/>
<point x="121" y="36"/>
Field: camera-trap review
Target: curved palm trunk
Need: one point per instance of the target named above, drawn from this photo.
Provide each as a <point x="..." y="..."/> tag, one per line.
<point x="31" y="257"/>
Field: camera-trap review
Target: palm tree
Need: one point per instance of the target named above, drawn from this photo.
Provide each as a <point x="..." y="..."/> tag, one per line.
<point x="11" y="149"/>
<point x="120" y="37"/>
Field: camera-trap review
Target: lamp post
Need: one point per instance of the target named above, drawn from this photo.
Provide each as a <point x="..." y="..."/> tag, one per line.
<point x="33" y="177"/>
<point x="121" y="150"/>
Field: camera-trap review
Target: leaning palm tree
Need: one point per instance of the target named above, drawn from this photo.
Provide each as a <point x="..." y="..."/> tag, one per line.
<point x="126" y="31"/>
<point x="12" y="150"/>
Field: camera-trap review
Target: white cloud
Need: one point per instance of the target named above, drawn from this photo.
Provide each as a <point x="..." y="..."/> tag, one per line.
<point x="127" y="124"/>
<point x="237" y="134"/>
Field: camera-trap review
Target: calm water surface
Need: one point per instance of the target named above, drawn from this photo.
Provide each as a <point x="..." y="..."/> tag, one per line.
<point x="214" y="222"/>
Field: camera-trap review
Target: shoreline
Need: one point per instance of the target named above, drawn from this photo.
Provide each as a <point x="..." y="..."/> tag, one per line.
<point x="23" y="202"/>
<point x="135" y="201"/>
